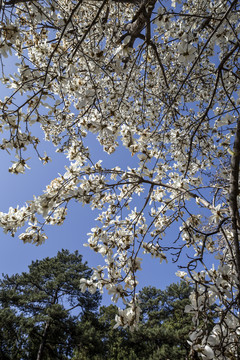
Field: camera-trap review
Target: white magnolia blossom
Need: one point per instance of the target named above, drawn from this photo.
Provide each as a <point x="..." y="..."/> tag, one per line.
<point x="128" y="317"/>
<point x="162" y="81"/>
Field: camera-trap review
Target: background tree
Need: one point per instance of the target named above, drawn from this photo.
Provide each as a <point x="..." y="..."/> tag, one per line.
<point x="40" y="310"/>
<point x="89" y="339"/>
<point x="163" y="329"/>
<point x="162" y="80"/>
<point x="12" y="336"/>
<point x="116" y="340"/>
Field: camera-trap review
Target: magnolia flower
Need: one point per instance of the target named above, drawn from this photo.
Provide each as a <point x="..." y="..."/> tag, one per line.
<point x="181" y="274"/>
<point x="87" y="285"/>
<point x="115" y="290"/>
<point x="18" y="167"/>
<point x="128" y="317"/>
<point x="187" y="52"/>
<point x="174" y="3"/>
<point x="216" y="214"/>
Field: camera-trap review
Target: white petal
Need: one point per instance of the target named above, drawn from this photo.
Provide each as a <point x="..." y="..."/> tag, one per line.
<point x="208" y="352"/>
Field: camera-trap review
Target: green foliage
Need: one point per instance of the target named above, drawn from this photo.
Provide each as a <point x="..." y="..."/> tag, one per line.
<point x="162" y="332"/>
<point x="116" y="341"/>
<point x="36" y="308"/>
<point x="165" y="326"/>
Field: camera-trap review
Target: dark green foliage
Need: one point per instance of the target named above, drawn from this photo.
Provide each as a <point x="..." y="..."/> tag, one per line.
<point x="162" y="332"/>
<point x="165" y="326"/>
<point x="116" y="341"/>
<point x="36" y="308"/>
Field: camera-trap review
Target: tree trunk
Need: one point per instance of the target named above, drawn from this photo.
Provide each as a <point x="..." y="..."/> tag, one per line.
<point x="43" y="342"/>
<point x="233" y="200"/>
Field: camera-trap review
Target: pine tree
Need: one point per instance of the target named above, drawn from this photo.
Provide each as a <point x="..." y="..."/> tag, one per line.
<point x="40" y="309"/>
<point x="163" y="328"/>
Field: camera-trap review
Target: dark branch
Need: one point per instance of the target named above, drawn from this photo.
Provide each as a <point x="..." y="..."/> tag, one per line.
<point x="233" y="195"/>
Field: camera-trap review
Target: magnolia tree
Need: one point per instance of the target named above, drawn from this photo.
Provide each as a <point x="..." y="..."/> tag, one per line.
<point x="162" y="80"/>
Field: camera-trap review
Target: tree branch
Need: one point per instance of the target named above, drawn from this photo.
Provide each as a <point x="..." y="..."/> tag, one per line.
<point x="233" y="194"/>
